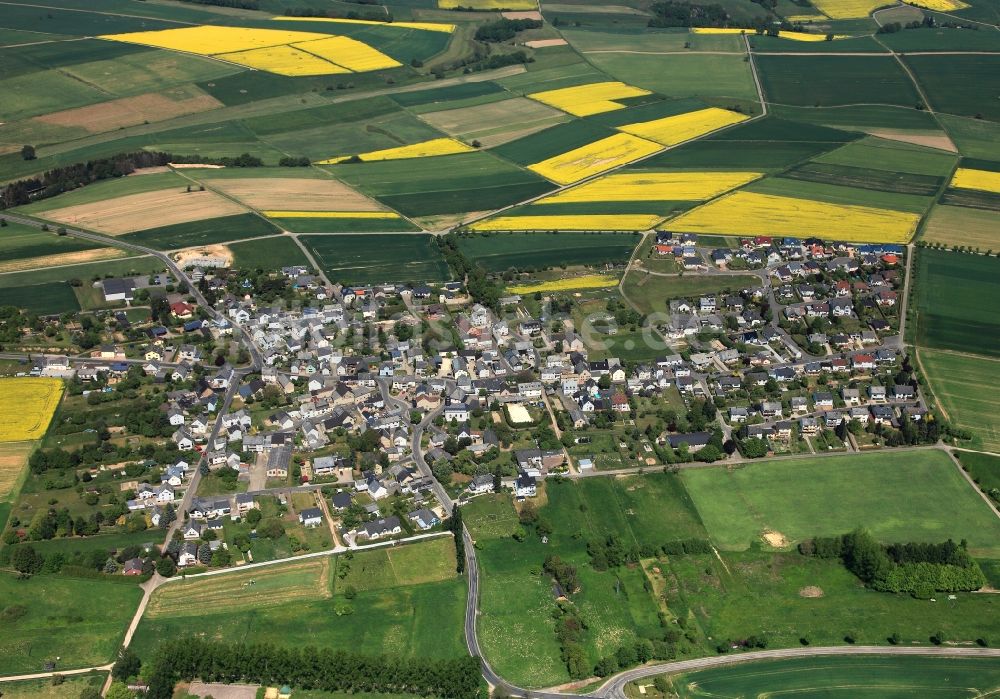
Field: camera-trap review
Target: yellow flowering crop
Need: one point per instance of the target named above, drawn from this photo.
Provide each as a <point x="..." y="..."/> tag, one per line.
<point x="676" y="129"/>
<point x="424" y="149"/>
<point x="350" y="53"/>
<point x="939" y="5"/>
<point x="425" y="26"/>
<point x="489" y="4"/>
<point x="209" y="41"/>
<point x="330" y="214"/>
<point x="584" y="100"/>
<point x="794" y="36"/>
<point x="847" y="9"/>
<point x="562" y="222"/>
<point x="27" y="407"/>
<point x="588" y="281"/>
<point x="594" y="158"/>
<point x="654" y="186"/>
<point x="749" y="213"/>
<point x="983" y="180"/>
<point x="283" y="60"/>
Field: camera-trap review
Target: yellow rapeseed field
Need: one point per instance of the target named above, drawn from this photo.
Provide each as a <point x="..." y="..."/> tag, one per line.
<point x="424" y="149"/>
<point x="794" y="36"/>
<point x="283" y="60"/>
<point x="983" y="180"/>
<point x="588" y="281"/>
<point x="570" y="222"/>
<point x="330" y="214"/>
<point x="27" y="407"/>
<point x="425" y="26"/>
<point x="489" y="4"/>
<point x="654" y="186"/>
<point x="594" y="158"/>
<point x="749" y="213"/>
<point x="350" y="53"/>
<point x="676" y="129"/>
<point x="848" y="9"/>
<point x="584" y="100"/>
<point x="280" y="51"/>
<point x="939" y="5"/>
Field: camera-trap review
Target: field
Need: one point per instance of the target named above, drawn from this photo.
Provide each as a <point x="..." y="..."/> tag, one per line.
<point x="983" y="468"/>
<point x="378" y="258"/>
<point x="893" y="156"/>
<point x="963" y="386"/>
<point x="722" y="77"/>
<point x="816" y="81"/>
<point x="959" y="225"/>
<point x="268" y="253"/>
<point x="80" y="621"/>
<point x="13" y="462"/>
<point x="751" y="213"/>
<point x="29" y="407"/>
<point x="496" y="122"/>
<point x="587" y="281"/>
<point x="860" y="677"/>
<point x="948" y="294"/>
<point x="498" y="253"/>
<point x="916" y="496"/>
<point x="653" y="186"/>
<point x="570" y="222"/>
<point x="676" y="129"/>
<point x="408" y="603"/>
<point x="67" y="688"/>
<point x="650" y="293"/>
<point x="292" y="193"/>
<point x="424" y="149"/>
<point x="202" y="232"/>
<point x="594" y="158"/>
<point x="944" y="80"/>
<point x="490" y="517"/>
<point x="586" y="100"/>
<point x="970" y="178"/>
<point x="50" y="298"/>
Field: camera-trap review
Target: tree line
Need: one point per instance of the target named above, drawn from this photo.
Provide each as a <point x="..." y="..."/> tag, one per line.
<point x="919" y="569"/>
<point x="310" y="668"/>
<point x="505" y="29"/>
<point x="481" y="288"/>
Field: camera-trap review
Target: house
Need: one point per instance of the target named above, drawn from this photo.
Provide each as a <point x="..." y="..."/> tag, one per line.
<point x="481" y="484"/>
<point x="695" y="441"/>
<point x="278" y="460"/>
<point x="525" y="486"/>
<point x="182" y="310"/>
<point x="188" y="555"/>
<point x="311" y="517"/>
<point x="341" y="500"/>
<point x="423" y="518"/>
<point x="133" y="566"/>
<point x="245" y="502"/>
<point x="458" y="412"/>
<point x="380" y="528"/>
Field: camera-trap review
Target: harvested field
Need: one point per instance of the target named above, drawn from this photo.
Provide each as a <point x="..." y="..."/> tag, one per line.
<point x="497" y="122"/>
<point x="13" y="461"/>
<point x="959" y="225"/>
<point x="940" y="141"/>
<point x="28" y="407"/>
<point x="66" y="258"/>
<point x="294" y="193"/>
<point x="129" y="111"/>
<point x="137" y="212"/>
<point x="489" y="4"/>
<point x="527" y="14"/>
<point x="262" y="587"/>
<point x="543" y="43"/>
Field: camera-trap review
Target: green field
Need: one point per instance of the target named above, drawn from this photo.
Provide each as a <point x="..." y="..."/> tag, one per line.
<point x="963" y="385"/>
<point x="409" y="603"/>
<point x="948" y="299"/>
<point x="18" y="242"/>
<point x="822" y="81"/>
<point x="345" y="225"/>
<point x="268" y="253"/>
<point x="205" y="232"/>
<point x="914" y="496"/>
<point x="836" y="187"/>
<point x="80" y="621"/>
<point x="359" y="259"/>
<point x="984" y="469"/>
<point x="722" y="77"/>
<point x="45" y="299"/>
<point x="892" y="156"/>
<point x="66" y="688"/>
<point x="962" y="85"/>
<point x="856" y="677"/>
<point x="652" y="293"/>
<point x="500" y="252"/>
<point x="975" y="138"/>
<point x="862" y="117"/>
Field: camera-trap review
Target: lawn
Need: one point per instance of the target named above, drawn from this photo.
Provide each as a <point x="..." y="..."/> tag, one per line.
<point x="857" y="677"/>
<point x="500" y="252"/>
<point x="949" y="293"/>
<point x="359" y="259"/>
<point x="651" y="293"/>
<point x="899" y="496"/>
<point x="963" y="386"/>
<point x="80" y="621"/>
<point x="823" y="81"/>
<point x="411" y="604"/>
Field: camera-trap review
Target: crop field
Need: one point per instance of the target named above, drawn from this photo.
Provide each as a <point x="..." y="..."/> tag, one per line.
<point x="13" y="462"/>
<point x="916" y="496"/>
<point x="425" y="149"/>
<point x="847" y="9"/>
<point x="501" y="252"/>
<point x="946" y="81"/>
<point x="587" y="281"/>
<point x="859" y="676"/>
<point x="489" y="4"/>
<point x="892" y="155"/>
<point x="959" y="225"/>
<point x="816" y="81"/>
<point x="653" y="186"/>
<point x="29" y="407"/>
<point x="782" y="34"/>
<point x="49" y="298"/>
<point x="676" y="129"/>
<point x="291" y="193"/>
<point x="981" y="180"/>
<point x="383" y="222"/>
<point x="496" y="122"/>
<point x="203" y="232"/>
<point x="751" y="213"/>
<point x="585" y="100"/>
<point x="47" y="616"/>
<point x="595" y="158"/>
<point x="378" y="258"/>
<point x="20" y="242"/>
<point x="866" y="178"/>
<point x="706" y="75"/>
<point x="570" y="222"/>
<point x="964" y="387"/>
<point x="948" y="293"/>
<point x="267" y="253"/>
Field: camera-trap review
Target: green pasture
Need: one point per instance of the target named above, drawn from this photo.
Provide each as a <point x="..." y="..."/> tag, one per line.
<point x="18" y="241"/>
<point x="502" y="251"/>
<point x="86" y="273"/>
<point x="651" y="293"/>
<point x="866" y="178"/>
<point x="772" y="44"/>
<point x="899" y="496"/>
<point x="975" y="138"/>
<point x="611" y="40"/>
<point x="359" y="259"/>
<point x="490" y="516"/>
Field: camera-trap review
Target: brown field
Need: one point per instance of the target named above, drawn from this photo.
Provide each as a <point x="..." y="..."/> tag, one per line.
<point x="136" y="212"/>
<point x="307" y="580"/>
<point x="496" y="122"/>
<point x="66" y="258"/>
<point x="957" y="225"/>
<point x="129" y="111"/>
<point x="13" y="460"/>
<point x="941" y="141"/>
<point x="294" y="194"/>
<point x="542" y="43"/>
<point x="205" y="251"/>
<point x="522" y="14"/>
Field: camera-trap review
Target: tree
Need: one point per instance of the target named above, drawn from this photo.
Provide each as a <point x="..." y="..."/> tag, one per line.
<point x="27" y="152"/>
<point x="118" y="690"/>
<point x="254" y="517"/>
<point x="497" y="480"/>
<point x="127" y="665"/>
<point x="166" y="567"/>
<point x="26" y="561"/>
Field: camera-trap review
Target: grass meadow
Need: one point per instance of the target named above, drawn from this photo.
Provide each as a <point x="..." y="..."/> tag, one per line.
<point x="964" y="386"/>
<point x="268" y="253"/>
<point x="205" y="232"/>
<point x="898" y="496"/>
